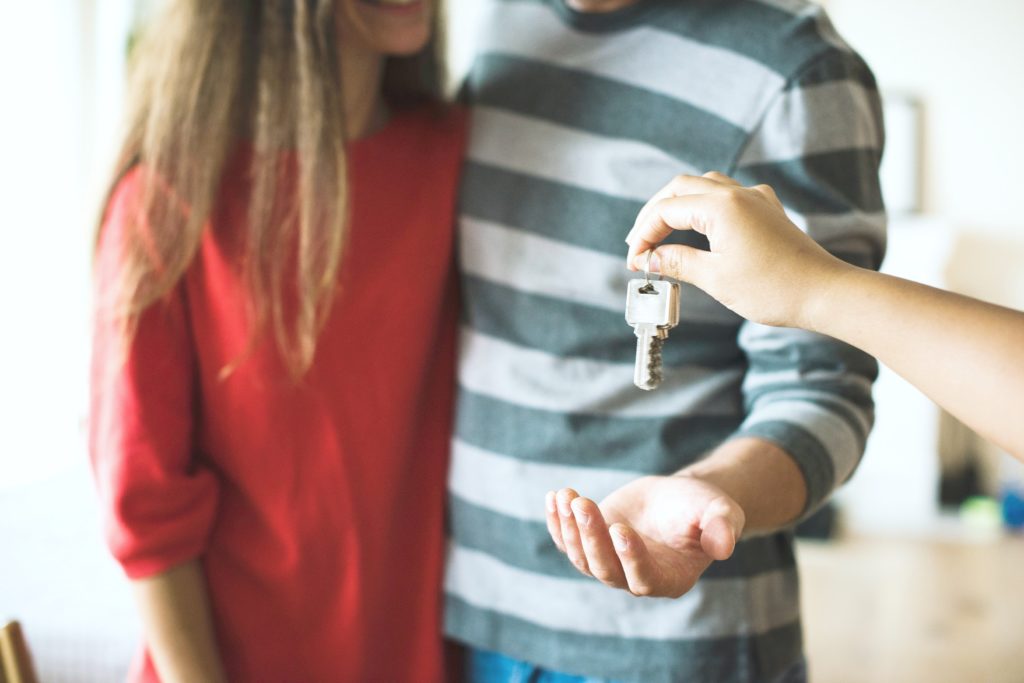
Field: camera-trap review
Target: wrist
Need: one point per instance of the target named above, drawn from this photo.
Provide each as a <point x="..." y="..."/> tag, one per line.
<point x="822" y="295"/>
<point x="759" y="477"/>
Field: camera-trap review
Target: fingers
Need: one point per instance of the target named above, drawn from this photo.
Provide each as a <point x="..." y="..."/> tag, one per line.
<point x="570" y="532"/>
<point x="579" y="530"/>
<point x="721" y="527"/>
<point x="597" y="544"/>
<point x="639" y="567"/>
<point x="689" y="212"/>
<point x="687" y="203"/>
<point x="617" y="555"/>
<point x="679" y="186"/>
<point x="677" y="261"/>
<point x="718" y="540"/>
<point x="554" y="525"/>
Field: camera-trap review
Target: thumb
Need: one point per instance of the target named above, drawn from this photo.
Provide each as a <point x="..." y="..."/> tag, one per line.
<point x="678" y="261"/>
<point x="721" y="527"/>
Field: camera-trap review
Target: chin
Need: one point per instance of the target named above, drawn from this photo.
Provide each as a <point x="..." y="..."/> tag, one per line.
<point x="392" y="27"/>
<point x="402" y="45"/>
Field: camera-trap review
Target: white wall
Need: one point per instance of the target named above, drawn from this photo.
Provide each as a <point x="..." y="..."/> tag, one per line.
<point x="43" y="244"/>
<point x="964" y="60"/>
<point x="61" y="63"/>
<point x="61" y="66"/>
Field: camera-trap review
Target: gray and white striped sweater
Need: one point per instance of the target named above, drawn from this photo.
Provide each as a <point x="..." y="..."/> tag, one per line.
<point x="577" y="120"/>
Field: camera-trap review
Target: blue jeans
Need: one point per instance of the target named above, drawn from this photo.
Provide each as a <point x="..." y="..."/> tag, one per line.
<point x="491" y="667"/>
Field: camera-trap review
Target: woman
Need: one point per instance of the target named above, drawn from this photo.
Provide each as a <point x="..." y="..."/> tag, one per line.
<point x="271" y="394"/>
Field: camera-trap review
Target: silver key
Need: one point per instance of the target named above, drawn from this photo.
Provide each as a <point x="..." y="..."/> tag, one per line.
<point x="652" y="308"/>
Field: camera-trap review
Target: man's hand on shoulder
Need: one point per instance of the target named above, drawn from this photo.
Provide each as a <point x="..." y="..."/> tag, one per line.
<point x="653" y="537"/>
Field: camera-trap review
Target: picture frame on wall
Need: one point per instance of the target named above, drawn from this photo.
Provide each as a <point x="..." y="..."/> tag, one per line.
<point x="901" y="163"/>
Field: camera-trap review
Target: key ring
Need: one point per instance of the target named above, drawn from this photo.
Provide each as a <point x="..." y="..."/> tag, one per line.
<point x="647" y="268"/>
<point x="648" y="288"/>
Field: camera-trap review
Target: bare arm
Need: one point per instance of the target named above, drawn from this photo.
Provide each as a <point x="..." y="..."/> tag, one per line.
<point x="966" y="355"/>
<point x="178" y="624"/>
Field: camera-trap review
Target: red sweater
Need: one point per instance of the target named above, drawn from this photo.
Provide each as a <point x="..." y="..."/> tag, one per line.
<point x="316" y="508"/>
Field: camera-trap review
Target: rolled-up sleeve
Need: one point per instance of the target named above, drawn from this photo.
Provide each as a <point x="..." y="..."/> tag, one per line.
<point x="158" y="498"/>
<point x="819" y="145"/>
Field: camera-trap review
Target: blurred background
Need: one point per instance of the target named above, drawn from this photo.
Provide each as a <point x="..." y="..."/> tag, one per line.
<point x="915" y="574"/>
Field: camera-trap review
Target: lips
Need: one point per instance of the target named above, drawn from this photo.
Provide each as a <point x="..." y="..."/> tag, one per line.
<point x="396" y="8"/>
<point x="394" y="4"/>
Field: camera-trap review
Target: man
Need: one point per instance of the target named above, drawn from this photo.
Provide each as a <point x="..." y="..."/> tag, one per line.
<point x="582" y="109"/>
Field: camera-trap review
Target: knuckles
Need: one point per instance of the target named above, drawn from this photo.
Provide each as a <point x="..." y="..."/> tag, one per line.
<point x="681" y="179"/>
<point x="732" y="197"/>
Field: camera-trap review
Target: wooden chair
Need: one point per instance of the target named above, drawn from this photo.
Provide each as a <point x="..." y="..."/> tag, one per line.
<point x="15" y="661"/>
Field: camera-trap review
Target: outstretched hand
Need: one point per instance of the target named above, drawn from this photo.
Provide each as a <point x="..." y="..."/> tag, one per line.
<point x="654" y="536"/>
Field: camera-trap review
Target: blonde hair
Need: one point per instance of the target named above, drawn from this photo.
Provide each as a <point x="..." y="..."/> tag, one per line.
<point x="208" y="75"/>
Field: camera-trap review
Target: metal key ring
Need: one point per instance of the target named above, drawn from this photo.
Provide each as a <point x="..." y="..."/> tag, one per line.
<point x="647" y="267"/>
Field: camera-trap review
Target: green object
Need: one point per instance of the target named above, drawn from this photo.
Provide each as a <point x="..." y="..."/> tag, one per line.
<point x="981" y="512"/>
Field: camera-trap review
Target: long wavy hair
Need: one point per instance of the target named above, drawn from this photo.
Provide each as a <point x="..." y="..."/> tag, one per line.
<point x="206" y="75"/>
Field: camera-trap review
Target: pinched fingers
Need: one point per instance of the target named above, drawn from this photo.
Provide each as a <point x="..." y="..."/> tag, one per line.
<point x="679" y="186"/>
<point x="688" y="212"/>
<point x="597" y="544"/>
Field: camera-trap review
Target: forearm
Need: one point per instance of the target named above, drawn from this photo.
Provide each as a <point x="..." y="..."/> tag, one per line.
<point x="178" y="625"/>
<point x="966" y="355"/>
<point x="761" y="477"/>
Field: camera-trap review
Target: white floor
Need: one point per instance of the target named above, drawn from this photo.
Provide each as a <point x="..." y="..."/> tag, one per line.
<point x="913" y="610"/>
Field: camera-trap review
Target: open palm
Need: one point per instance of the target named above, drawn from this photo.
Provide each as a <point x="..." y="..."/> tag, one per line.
<point x="654" y="536"/>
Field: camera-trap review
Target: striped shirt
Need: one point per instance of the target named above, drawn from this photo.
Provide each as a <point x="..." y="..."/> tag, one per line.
<point x="577" y="120"/>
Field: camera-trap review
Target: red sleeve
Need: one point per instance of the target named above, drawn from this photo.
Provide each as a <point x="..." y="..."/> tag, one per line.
<point x="158" y="502"/>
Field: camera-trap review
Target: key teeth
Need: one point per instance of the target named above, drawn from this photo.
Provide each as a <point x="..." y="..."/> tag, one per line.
<point x="654" y="368"/>
<point x="647" y="373"/>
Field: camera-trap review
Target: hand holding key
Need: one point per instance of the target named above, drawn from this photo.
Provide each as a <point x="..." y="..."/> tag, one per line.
<point x="653" y="537"/>
<point x="760" y="265"/>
